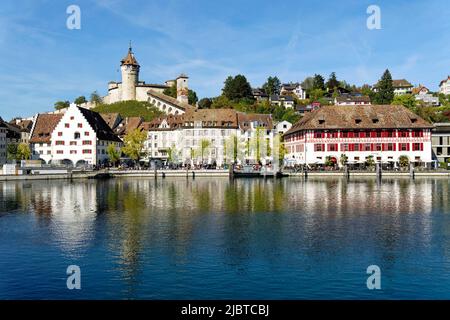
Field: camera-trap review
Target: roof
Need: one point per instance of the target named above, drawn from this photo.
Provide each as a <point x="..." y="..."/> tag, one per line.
<point x="112" y="119"/>
<point x="352" y="99"/>
<point x="23" y="125"/>
<point x="360" y="117"/>
<point x="419" y="88"/>
<point x="101" y="128"/>
<point x="127" y="125"/>
<point x="152" y="85"/>
<point x="276" y="97"/>
<point x="244" y="119"/>
<point x="170" y="100"/>
<point x="129" y="59"/>
<point x="445" y="80"/>
<point x="399" y="83"/>
<point x="44" y="126"/>
<point x="2" y="123"/>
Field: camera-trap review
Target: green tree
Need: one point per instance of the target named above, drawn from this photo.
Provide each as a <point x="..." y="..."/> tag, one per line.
<point x="204" y="146"/>
<point x="113" y="154"/>
<point x="316" y="94"/>
<point x="319" y="82"/>
<point x="95" y="98"/>
<point x="205" y="103"/>
<point x="192" y="97"/>
<point x="406" y="100"/>
<point x="134" y="144"/>
<point x="80" y="100"/>
<point x="23" y="152"/>
<point x="332" y="82"/>
<point x="370" y="162"/>
<point x="11" y="152"/>
<point x="343" y="159"/>
<point x="272" y="86"/>
<point x="61" y="105"/>
<point x="385" y="89"/>
<point x="237" y="88"/>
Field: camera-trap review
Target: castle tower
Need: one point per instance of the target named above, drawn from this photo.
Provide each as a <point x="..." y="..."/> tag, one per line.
<point x="130" y="76"/>
<point x="182" y="88"/>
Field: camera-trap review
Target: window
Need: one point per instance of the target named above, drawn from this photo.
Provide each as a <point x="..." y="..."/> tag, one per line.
<point x="417" y="146"/>
<point x="362" y="134"/>
<point x="86" y="133"/>
<point x="87" y="151"/>
<point x="87" y="142"/>
<point x="345" y="147"/>
<point x="417" y="134"/>
<point x="318" y="135"/>
<point x="73" y="151"/>
<point x="66" y="125"/>
<point x="76" y="135"/>
<point x="403" y="146"/>
<point x="332" y="147"/>
<point x="376" y="146"/>
<point x="319" y="147"/>
<point x="73" y="143"/>
<point x="404" y="134"/>
<point x="72" y="117"/>
<point x="59" y="143"/>
<point x="80" y="125"/>
<point x="59" y="134"/>
<point x="365" y="147"/>
<point x="59" y="151"/>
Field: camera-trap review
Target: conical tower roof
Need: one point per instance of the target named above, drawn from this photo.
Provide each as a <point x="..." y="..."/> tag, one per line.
<point x="129" y="59"/>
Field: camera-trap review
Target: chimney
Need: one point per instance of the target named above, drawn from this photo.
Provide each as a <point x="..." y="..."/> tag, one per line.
<point x="182" y="88"/>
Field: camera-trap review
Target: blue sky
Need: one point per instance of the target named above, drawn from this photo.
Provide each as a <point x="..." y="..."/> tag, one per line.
<point x="41" y="61"/>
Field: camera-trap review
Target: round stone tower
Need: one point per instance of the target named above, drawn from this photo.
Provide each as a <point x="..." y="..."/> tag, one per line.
<point x="130" y="76"/>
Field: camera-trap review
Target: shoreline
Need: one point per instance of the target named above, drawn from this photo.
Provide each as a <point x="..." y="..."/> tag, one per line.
<point x="207" y="174"/>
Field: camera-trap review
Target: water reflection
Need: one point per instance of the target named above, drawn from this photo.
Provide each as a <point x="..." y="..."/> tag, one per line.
<point x="207" y="226"/>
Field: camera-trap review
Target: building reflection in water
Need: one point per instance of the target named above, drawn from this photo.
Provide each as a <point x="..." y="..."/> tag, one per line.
<point x="232" y="221"/>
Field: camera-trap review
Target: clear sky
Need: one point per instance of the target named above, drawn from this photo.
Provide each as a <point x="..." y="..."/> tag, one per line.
<point x="41" y="61"/>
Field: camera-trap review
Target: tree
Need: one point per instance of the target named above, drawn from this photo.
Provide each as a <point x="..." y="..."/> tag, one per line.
<point x="237" y="88"/>
<point x="332" y="82"/>
<point x="23" y="152"/>
<point x="204" y="145"/>
<point x="308" y="83"/>
<point x="192" y="97"/>
<point x="205" y="103"/>
<point x="316" y="94"/>
<point x="403" y="161"/>
<point x="134" y="144"/>
<point x="11" y="152"/>
<point x="80" y="100"/>
<point x="62" y="105"/>
<point x="385" y="89"/>
<point x="231" y="145"/>
<point x="370" y="162"/>
<point x="113" y="154"/>
<point x="272" y="86"/>
<point x="95" y="98"/>
<point x="319" y="82"/>
<point x="406" y="100"/>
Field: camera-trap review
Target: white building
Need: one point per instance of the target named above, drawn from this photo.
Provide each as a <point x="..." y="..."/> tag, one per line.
<point x="401" y="87"/>
<point x="284" y="101"/>
<point x="444" y="86"/>
<point x="381" y="132"/>
<point x="3" y="131"/>
<point x="421" y="93"/>
<point x="282" y="126"/>
<point x="76" y="138"/>
<point x="346" y="100"/>
<point x="208" y="136"/>
<point x="41" y="135"/>
<point x="293" y="88"/>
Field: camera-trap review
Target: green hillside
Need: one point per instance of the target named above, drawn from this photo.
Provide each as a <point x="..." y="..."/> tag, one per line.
<point x="131" y="109"/>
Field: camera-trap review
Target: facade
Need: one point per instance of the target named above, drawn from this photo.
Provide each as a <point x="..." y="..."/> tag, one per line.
<point x="345" y="100"/>
<point x="81" y="138"/>
<point x="180" y="137"/>
<point x="131" y="88"/>
<point x="259" y="94"/>
<point x="421" y="93"/>
<point x="381" y="132"/>
<point x="440" y="142"/>
<point x="24" y="126"/>
<point x="282" y="126"/>
<point x="444" y="86"/>
<point x="293" y="88"/>
<point x="285" y="101"/>
<point x="41" y="135"/>
<point x="3" y="146"/>
<point x="401" y="86"/>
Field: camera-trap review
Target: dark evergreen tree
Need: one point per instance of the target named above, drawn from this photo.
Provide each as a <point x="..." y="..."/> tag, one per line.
<point x="385" y="89"/>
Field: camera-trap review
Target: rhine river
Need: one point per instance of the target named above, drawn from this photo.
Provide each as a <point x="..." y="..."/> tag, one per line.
<point x="213" y="238"/>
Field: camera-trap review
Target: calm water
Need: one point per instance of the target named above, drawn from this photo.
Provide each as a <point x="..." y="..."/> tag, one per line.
<point x="213" y="238"/>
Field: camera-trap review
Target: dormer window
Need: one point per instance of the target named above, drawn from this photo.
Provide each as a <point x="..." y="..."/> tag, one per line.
<point x="413" y="120"/>
<point x="358" y="121"/>
<point x="375" y="120"/>
<point x="321" y="121"/>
